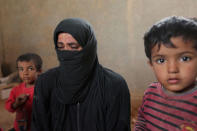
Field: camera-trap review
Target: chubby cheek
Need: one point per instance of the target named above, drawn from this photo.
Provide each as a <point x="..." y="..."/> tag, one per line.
<point x="160" y="76"/>
<point x="190" y="72"/>
<point x="160" y="73"/>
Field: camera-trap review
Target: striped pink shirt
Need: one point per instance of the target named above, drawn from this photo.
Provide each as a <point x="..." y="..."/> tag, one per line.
<point x="163" y="112"/>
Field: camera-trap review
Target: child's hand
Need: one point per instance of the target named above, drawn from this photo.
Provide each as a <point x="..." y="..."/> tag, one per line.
<point x="21" y="99"/>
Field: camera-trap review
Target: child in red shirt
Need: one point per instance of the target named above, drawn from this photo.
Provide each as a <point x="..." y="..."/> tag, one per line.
<point x="21" y="97"/>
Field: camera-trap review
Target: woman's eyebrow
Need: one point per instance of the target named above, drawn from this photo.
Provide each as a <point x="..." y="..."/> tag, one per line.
<point x="73" y="43"/>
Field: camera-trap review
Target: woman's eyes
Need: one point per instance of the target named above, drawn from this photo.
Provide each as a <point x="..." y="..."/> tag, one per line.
<point x="74" y="45"/>
<point x="68" y="46"/>
<point x="60" y="45"/>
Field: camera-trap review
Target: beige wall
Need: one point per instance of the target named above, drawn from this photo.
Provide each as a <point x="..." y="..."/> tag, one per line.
<point x="27" y="26"/>
<point x="1" y="39"/>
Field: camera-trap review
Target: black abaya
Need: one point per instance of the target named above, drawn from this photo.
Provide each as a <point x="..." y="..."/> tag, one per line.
<point x="80" y="94"/>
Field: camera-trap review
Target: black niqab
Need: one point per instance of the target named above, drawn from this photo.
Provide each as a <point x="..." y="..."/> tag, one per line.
<point x="76" y="67"/>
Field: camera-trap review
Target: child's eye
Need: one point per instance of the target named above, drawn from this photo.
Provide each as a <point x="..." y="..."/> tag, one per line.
<point x="20" y="69"/>
<point x="185" y="58"/>
<point x="160" y="60"/>
<point x="30" y="68"/>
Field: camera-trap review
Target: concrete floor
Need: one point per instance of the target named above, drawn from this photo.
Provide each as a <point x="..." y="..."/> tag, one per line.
<point x="6" y="118"/>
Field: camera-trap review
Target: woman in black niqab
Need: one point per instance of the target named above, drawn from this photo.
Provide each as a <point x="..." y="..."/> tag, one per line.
<point x="80" y="94"/>
<point x="76" y="67"/>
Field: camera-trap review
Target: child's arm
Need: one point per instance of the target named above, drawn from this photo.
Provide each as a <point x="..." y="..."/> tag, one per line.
<point x="140" y="124"/>
<point x="11" y="100"/>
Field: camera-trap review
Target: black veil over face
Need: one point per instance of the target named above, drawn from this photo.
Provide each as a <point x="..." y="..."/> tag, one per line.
<point x="76" y="70"/>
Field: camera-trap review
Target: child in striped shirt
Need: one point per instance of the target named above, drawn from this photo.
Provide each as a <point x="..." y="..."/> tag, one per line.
<point x="171" y="103"/>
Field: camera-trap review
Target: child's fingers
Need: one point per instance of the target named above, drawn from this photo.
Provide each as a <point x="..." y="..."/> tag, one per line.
<point x="22" y="98"/>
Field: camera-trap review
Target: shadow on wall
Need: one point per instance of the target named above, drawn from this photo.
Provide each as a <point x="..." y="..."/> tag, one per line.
<point x="5" y="69"/>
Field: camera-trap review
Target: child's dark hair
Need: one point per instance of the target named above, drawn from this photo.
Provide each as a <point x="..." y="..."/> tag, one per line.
<point x="31" y="56"/>
<point x="164" y="30"/>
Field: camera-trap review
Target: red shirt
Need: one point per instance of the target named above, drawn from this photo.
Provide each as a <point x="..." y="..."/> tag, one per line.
<point x="24" y="111"/>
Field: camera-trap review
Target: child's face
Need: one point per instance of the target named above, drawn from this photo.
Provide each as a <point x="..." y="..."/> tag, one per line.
<point x="27" y="72"/>
<point x="175" y="68"/>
